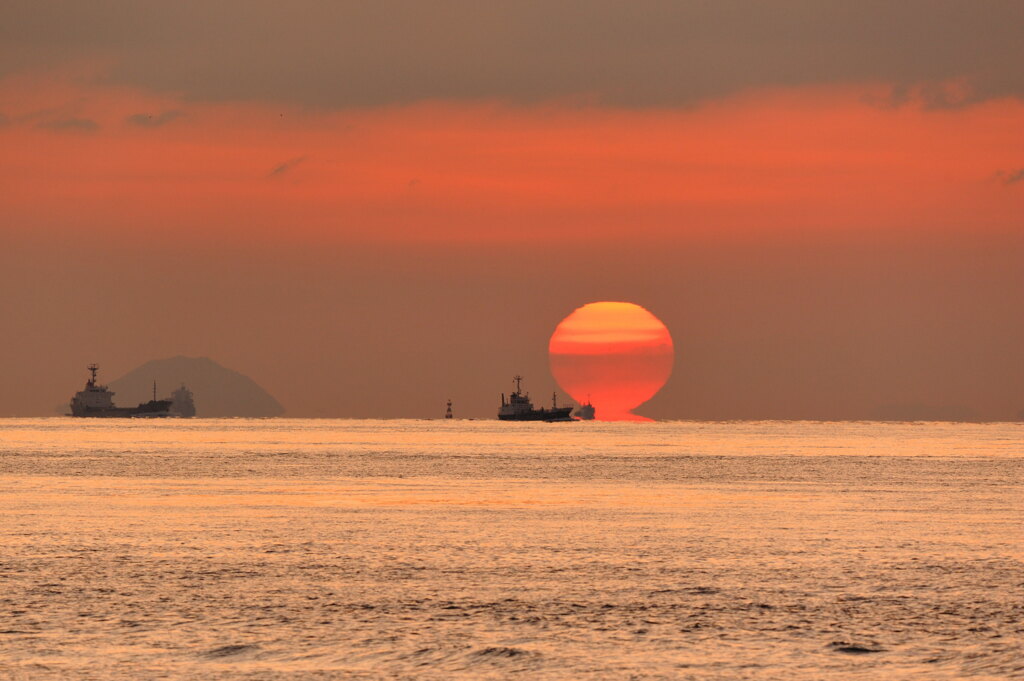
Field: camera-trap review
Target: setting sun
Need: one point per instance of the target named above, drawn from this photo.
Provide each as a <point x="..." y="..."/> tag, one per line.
<point x="614" y="355"/>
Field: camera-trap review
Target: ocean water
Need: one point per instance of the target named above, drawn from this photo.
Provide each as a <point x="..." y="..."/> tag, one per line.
<point x="339" y="549"/>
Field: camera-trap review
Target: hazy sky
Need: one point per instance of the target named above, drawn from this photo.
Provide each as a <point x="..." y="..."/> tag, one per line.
<point x="372" y="207"/>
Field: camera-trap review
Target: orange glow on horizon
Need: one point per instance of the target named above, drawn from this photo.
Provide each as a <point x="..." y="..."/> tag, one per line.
<point x="616" y="355"/>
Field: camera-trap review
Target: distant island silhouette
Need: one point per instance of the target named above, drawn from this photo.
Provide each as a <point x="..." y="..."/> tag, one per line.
<point x="219" y="391"/>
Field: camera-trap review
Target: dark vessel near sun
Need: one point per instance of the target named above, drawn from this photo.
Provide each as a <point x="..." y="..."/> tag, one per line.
<point x="97" y="401"/>
<point x="519" y="408"/>
<point x="585" y="412"/>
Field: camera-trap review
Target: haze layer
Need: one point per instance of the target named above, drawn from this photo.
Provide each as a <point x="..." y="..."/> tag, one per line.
<point x="371" y="210"/>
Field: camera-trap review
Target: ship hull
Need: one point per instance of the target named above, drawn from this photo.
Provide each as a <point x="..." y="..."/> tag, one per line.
<point x="558" y="414"/>
<point x="585" y="413"/>
<point x="151" y="409"/>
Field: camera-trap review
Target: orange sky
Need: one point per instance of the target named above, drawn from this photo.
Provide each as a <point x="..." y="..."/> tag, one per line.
<point x="821" y="158"/>
<point x="370" y="234"/>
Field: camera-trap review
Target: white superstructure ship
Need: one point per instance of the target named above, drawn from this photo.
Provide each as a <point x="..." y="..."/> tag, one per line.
<point x="97" y="401"/>
<point x="519" y="408"/>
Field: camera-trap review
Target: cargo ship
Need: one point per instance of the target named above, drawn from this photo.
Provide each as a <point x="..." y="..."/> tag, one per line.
<point x="519" y="408"/>
<point x="97" y="401"/>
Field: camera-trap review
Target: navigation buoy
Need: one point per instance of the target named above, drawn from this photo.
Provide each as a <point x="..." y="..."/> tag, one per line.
<point x="448" y="414"/>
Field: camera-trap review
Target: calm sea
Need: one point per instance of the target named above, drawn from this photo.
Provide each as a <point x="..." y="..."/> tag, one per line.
<point x="335" y="549"/>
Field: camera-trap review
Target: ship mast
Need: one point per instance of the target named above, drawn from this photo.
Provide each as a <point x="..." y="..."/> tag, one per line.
<point x="93" y="368"/>
<point x="517" y="378"/>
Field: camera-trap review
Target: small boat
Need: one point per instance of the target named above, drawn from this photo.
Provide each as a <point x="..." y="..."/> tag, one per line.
<point x="585" y="412"/>
<point x="182" y="403"/>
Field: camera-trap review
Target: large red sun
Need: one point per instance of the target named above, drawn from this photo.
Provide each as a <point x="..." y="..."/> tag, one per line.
<point x="616" y="355"/>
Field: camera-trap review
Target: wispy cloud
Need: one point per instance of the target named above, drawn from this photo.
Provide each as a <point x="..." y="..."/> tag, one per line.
<point x="282" y="168"/>
<point x="1011" y="176"/>
<point x="327" y="43"/>
<point x="70" y="124"/>
<point x="929" y="94"/>
<point x="145" y="120"/>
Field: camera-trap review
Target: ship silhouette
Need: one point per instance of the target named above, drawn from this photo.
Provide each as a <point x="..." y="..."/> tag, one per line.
<point x="519" y="408"/>
<point x="182" y="404"/>
<point x="585" y="412"/>
<point x="97" y="401"/>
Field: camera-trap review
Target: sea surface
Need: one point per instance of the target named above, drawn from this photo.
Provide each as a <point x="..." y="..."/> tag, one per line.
<point x="403" y="549"/>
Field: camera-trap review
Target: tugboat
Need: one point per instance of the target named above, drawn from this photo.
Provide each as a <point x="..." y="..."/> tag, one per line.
<point x="519" y="408"/>
<point x="97" y="400"/>
<point x="585" y="412"/>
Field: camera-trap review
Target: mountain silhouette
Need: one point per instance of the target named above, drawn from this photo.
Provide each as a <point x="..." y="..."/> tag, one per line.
<point x="218" y="391"/>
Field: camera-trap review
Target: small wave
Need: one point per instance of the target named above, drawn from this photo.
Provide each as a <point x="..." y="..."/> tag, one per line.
<point x="229" y="651"/>
<point x="500" y="651"/>
<point x="854" y="648"/>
